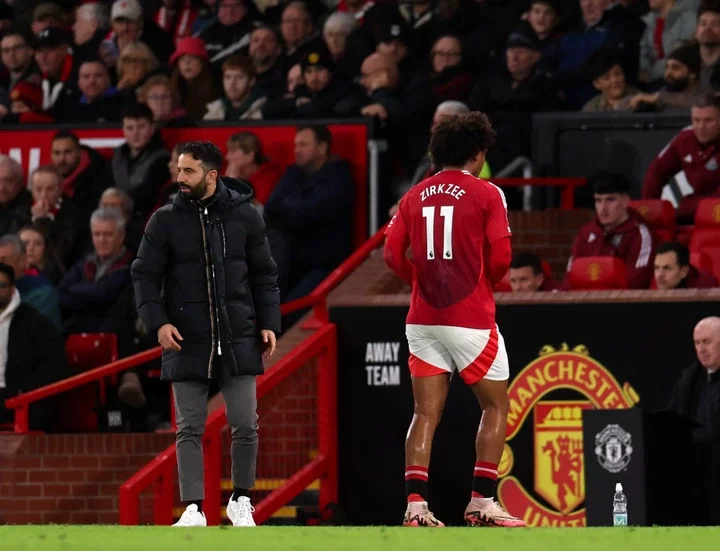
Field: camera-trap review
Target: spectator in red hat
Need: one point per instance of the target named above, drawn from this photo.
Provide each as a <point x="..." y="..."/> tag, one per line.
<point x="192" y="77"/>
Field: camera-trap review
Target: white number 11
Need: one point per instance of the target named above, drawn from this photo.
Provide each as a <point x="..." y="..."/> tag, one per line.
<point x="429" y="215"/>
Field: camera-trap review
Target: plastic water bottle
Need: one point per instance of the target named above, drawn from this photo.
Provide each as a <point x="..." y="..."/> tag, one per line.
<point x="620" y="517"/>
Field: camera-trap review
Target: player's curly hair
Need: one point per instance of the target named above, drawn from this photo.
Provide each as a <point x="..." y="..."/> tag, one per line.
<point x="458" y="139"/>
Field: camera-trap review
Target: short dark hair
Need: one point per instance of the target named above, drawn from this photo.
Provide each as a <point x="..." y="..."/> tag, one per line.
<point x="18" y="31"/>
<point x="681" y="252"/>
<point x="527" y="260"/>
<point x="206" y="152"/>
<point x="708" y="6"/>
<point x="8" y="271"/>
<point x="604" y="182"/>
<point x="320" y="131"/>
<point x="67" y="135"/>
<point x="711" y="99"/>
<point x="138" y="111"/>
<point x="458" y="140"/>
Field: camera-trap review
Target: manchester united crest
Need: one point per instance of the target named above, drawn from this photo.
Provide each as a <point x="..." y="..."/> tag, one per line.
<point x="613" y="448"/>
<point x="557" y="432"/>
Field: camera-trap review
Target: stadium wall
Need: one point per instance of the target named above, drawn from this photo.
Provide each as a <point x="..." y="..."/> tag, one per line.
<point x="69" y="478"/>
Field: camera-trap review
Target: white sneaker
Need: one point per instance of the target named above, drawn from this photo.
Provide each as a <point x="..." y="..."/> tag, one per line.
<point x="192" y="517"/>
<point x="240" y="512"/>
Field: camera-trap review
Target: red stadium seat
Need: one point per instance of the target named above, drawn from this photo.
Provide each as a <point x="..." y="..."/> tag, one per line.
<point x="706" y="234"/>
<point x="701" y="261"/>
<point x="659" y="215"/>
<point x="597" y="273"/>
<point x="85" y="351"/>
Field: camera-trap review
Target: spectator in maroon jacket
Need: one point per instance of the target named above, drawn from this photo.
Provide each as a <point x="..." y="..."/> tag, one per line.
<point x="527" y="275"/>
<point x="617" y="230"/>
<point x="674" y="271"/>
<point x="692" y="159"/>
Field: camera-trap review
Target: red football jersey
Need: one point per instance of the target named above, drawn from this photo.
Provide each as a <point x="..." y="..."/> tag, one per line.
<point x="449" y="221"/>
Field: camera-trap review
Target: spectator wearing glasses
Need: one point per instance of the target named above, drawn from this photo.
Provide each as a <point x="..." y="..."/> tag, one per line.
<point x="451" y="81"/>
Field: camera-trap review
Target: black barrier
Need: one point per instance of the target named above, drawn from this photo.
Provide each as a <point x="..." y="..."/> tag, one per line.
<point x="564" y="358"/>
<point x="579" y="144"/>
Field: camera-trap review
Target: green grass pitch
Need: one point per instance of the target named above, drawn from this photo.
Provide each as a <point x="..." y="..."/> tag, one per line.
<point x="111" y="538"/>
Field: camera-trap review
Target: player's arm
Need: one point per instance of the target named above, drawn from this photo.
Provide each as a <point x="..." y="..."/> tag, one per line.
<point x="396" y="246"/>
<point x="497" y="235"/>
<point x="639" y="258"/>
<point x="661" y="169"/>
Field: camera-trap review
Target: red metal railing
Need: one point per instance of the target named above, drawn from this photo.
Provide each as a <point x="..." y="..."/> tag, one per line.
<point x="160" y="472"/>
<point x="567" y="185"/>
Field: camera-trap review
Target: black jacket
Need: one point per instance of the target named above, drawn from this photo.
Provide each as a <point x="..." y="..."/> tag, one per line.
<point x="141" y="177"/>
<point x="36" y="357"/>
<point x="230" y="298"/>
<point x="696" y="396"/>
<point x="314" y="212"/>
<point x="16" y="213"/>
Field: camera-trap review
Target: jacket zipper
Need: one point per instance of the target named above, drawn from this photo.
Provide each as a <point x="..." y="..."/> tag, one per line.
<point x="208" y="276"/>
<point x="222" y="237"/>
<point x="215" y="297"/>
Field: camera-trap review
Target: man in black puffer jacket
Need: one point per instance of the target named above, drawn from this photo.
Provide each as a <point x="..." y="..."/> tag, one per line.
<point x="206" y="282"/>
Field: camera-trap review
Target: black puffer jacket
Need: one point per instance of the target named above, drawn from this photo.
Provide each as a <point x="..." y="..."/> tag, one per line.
<point x="218" y="305"/>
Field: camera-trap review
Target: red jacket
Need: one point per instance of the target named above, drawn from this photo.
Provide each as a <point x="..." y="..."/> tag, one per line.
<point x="695" y="168"/>
<point x="631" y="241"/>
<point x="181" y="26"/>
<point x="265" y="179"/>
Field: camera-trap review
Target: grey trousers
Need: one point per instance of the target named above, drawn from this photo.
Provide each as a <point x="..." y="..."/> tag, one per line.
<point x="191" y="400"/>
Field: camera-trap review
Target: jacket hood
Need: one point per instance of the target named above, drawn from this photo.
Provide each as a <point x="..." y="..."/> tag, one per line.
<point x="229" y="193"/>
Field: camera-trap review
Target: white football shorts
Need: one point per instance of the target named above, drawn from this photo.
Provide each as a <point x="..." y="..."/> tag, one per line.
<point x="476" y="353"/>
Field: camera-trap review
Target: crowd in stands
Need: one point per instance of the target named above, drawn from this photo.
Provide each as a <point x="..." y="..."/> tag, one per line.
<point x="70" y="233"/>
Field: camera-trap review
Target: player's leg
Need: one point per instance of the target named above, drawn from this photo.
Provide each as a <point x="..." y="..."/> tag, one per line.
<point x="430" y="366"/>
<point x="190" y="414"/>
<point x="483" y="364"/>
<point x="429" y="395"/>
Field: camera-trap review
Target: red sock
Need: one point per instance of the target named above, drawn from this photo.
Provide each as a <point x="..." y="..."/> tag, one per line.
<point x="416" y="483"/>
<point x="484" y="479"/>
